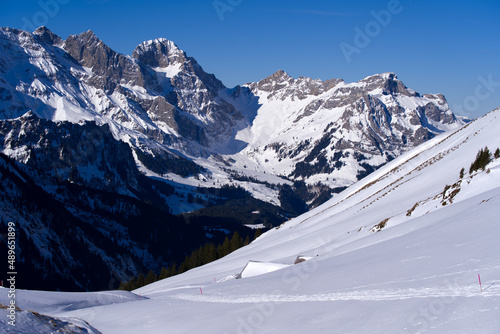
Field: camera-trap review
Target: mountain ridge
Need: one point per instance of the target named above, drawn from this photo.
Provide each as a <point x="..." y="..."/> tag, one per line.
<point x="165" y="106"/>
<point x="154" y="133"/>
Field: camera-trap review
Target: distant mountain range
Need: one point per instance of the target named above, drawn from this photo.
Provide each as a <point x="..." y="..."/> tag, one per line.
<point x="112" y="142"/>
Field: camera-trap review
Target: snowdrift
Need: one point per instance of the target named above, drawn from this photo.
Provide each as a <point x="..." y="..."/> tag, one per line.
<point x="256" y="268"/>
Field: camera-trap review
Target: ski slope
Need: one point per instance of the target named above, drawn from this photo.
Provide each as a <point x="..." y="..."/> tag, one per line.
<point x="394" y="253"/>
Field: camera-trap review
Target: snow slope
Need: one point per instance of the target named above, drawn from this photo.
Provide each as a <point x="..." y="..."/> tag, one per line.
<point x="395" y="253"/>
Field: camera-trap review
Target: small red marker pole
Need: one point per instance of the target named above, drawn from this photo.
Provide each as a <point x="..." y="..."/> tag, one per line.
<point x="215" y="280"/>
<point x="480" y="287"/>
<point x="201" y="292"/>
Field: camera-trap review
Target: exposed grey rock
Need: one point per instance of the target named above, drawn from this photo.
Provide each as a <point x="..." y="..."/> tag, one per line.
<point x="109" y="68"/>
<point x="377" y="123"/>
<point x="159" y="53"/>
<point x="68" y="151"/>
<point x="164" y="105"/>
<point x="47" y="36"/>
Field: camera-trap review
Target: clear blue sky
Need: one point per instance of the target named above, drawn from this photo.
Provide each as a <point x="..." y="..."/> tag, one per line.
<point x="448" y="47"/>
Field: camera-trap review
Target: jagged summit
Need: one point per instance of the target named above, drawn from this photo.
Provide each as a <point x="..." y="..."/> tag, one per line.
<point x="159" y="52"/>
<point x="277" y="80"/>
<point x="109" y="68"/>
<point x="160" y="101"/>
<point x="279" y="75"/>
<point x="383" y="75"/>
<point x="87" y="36"/>
<point x="48" y="36"/>
<point x="28" y="116"/>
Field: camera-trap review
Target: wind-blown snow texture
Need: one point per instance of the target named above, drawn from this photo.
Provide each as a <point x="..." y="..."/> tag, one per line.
<point x="394" y="253"/>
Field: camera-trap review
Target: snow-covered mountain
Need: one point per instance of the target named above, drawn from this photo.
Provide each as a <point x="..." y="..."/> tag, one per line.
<point x="335" y="132"/>
<point x="184" y="125"/>
<point x="398" y="252"/>
<point x="109" y="141"/>
<point x="101" y="214"/>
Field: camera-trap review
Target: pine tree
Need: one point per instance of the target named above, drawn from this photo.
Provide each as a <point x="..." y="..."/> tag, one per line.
<point x="208" y="253"/>
<point x="257" y="234"/>
<point x="192" y="260"/>
<point x="140" y="281"/>
<point x="483" y="158"/>
<point x="164" y="273"/>
<point x="236" y="242"/>
<point x="128" y="286"/>
<point x="132" y="284"/>
<point x="168" y="272"/>
<point x="184" y="265"/>
<point x="462" y="171"/>
<point x="223" y="249"/>
<point x="173" y="269"/>
<point x="150" y="278"/>
<point x="497" y="153"/>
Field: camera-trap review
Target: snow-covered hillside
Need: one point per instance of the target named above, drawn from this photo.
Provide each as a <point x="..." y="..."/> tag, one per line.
<point x="398" y="252"/>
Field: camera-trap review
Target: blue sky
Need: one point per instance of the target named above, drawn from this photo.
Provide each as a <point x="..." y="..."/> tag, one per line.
<point x="451" y="48"/>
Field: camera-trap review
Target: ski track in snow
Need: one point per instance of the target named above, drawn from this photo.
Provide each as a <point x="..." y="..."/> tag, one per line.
<point x="467" y="291"/>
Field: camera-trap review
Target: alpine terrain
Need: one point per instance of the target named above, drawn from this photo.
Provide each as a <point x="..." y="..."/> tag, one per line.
<point x="113" y="165"/>
<point x="411" y="248"/>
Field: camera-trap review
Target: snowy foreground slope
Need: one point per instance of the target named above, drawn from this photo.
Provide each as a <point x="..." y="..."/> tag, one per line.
<point x="394" y="253"/>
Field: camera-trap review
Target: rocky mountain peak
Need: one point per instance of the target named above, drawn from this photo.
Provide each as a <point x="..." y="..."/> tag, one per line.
<point x="47" y="36"/>
<point x="279" y="76"/>
<point x="88" y="39"/>
<point x="280" y="85"/>
<point x="165" y="112"/>
<point x="88" y="36"/>
<point x="88" y="49"/>
<point x="389" y="83"/>
<point x="159" y="52"/>
<point x="380" y="78"/>
<point x="13" y="33"/>
<point x="276" y="81"/>
<point x="185" y="109"/>
<point x="108" y="66"/>
<point x="29" y="116"/>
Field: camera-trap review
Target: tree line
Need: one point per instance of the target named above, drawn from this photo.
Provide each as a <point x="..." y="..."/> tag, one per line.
<point x="200" y="256"/>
